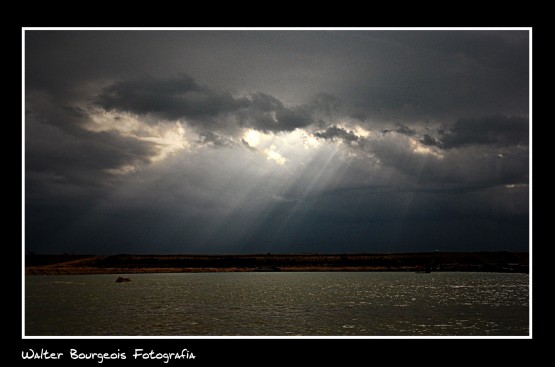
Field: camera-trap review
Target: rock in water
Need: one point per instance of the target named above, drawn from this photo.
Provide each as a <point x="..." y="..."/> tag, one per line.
<point x="122" y="280"/>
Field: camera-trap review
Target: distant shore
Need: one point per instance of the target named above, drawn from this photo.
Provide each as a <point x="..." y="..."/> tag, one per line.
<point x="503" y="261"/>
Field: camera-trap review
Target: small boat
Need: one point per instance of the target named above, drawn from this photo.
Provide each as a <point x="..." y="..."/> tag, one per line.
<point x="427" y="270"/>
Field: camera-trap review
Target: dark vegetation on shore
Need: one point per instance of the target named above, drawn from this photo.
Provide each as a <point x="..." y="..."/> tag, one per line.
<point x="421" y="262"/>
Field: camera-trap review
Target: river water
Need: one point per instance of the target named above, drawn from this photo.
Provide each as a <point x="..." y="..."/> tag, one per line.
<point x="278" y="304"/>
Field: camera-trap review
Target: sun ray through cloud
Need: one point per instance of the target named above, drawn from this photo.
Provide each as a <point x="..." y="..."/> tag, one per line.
<point x="164" y="148"/>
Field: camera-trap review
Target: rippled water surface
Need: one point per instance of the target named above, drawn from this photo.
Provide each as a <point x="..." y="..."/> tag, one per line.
<point x="281" y="304"/>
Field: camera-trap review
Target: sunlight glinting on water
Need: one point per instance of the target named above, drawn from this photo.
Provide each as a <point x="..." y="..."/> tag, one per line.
<point x="283" y="304"/>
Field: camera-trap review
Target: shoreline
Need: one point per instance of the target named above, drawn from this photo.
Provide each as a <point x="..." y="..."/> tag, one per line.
<point x="503" y="262"/>
<point x="42" y="272"/>
<point x="93" y="271"/>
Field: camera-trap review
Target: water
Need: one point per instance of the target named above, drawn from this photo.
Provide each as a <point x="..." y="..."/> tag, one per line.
<point x="278" y="304"/>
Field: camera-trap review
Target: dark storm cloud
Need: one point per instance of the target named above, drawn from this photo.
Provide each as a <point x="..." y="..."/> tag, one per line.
<point x="57" y="143"/>
<point x="171" y="98"/>
<point x="267" y="113"/>
<point x="445" y="164"/>
<point x="182" y="98"/>
<point x="48" y="110"/>
<point x="429" y="140"/>
<point x="337" y="133"/>
<point x="83" y="158"/>
<point x="405" y="130"/>
<point x="496" y="130"/>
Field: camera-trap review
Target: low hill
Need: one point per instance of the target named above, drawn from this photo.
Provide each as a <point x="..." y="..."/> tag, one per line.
<point x="429" y="261"/>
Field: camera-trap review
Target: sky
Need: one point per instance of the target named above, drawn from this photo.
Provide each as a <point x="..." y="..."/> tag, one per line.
<point x="276" y="141"/>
